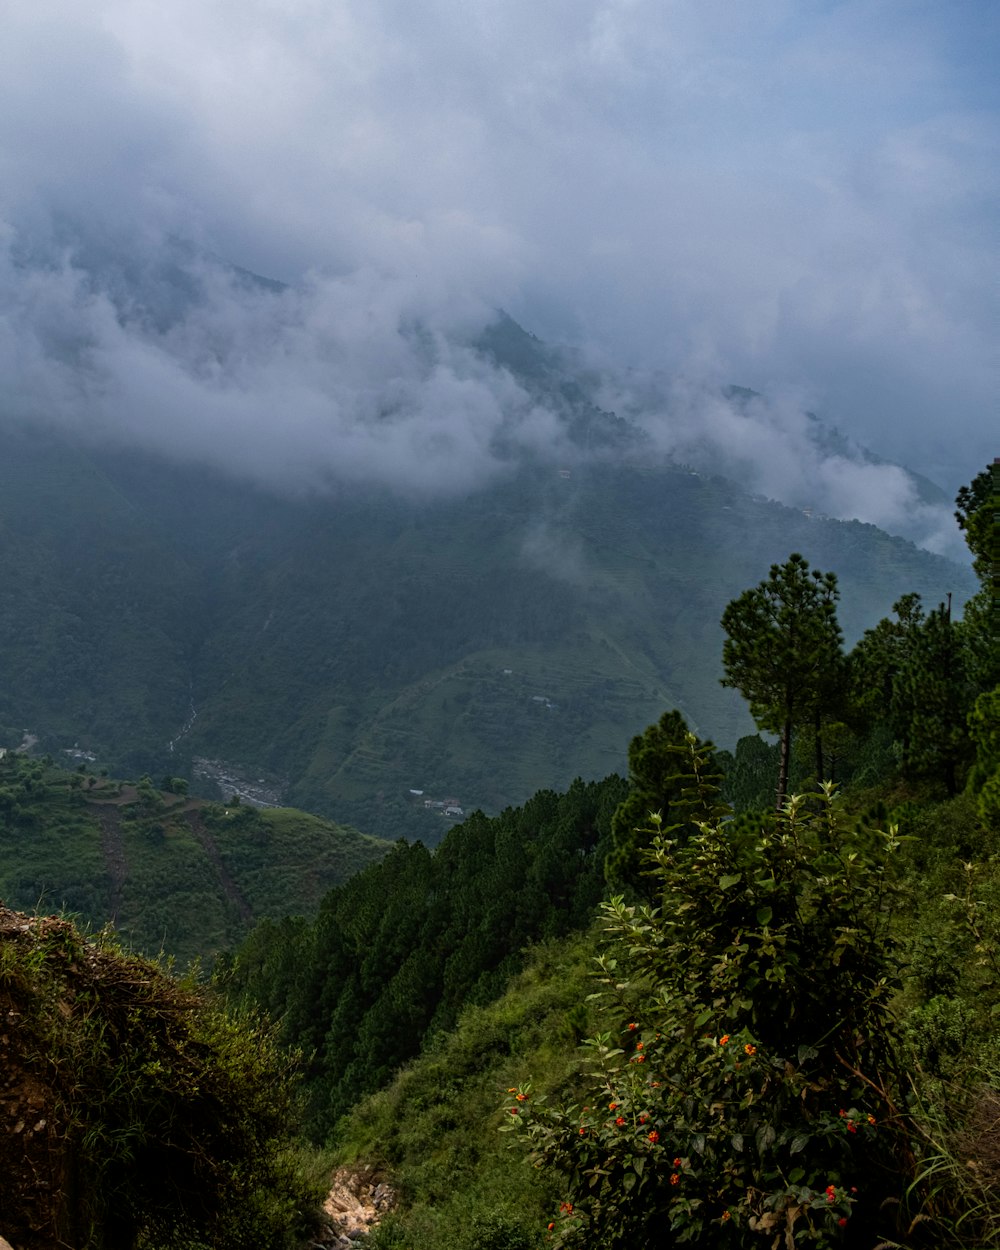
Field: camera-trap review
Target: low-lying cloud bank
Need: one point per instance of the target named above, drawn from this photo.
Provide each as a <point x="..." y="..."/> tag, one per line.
<point x="773" y="446"/>
<point x="345" y="379"/>
<point x="796" y="196"/>
<point x="367" y="378"/>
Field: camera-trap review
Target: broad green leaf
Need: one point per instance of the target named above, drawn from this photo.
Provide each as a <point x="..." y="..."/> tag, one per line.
<point x="799" y="1143"/>
<point x="764" y="915"/>
<point x="729" y="880"/>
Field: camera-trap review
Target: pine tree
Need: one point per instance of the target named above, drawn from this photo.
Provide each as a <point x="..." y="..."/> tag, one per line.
<point x="976" y="506"/>
<point x="937" y="695"/>
<point x="878" y="694"/>
<point x="660" y="781"/>
<point x="784" y="654"/>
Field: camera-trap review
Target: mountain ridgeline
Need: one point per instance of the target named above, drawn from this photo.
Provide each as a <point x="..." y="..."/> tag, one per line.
<point x="377" y="657"/>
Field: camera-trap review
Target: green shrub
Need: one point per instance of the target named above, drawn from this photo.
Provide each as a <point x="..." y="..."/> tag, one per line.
<point x="750" y="1087"/>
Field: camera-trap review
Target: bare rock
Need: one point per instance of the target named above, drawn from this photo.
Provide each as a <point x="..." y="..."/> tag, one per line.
<point x="357" y="1200"/>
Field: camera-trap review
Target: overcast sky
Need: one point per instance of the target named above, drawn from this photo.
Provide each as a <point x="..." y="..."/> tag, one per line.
<point x="795" y="195"/>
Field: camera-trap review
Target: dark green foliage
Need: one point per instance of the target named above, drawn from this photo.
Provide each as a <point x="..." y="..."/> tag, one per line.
<point x="877" y="663"/>
<point x="750" y="778"/>
<point x="936" y="693"/>
<point x="984" y="728"/>
<point x="981" y="640"/>
<point x="915" y="679"/>
<point x="747" y="1085"/>
<point x="396" y="953"/>
<point x="659" y="779"/>
<point x="156" y="1121"/>
<point x="975" y="507"/>
<point x="783" y="653"/>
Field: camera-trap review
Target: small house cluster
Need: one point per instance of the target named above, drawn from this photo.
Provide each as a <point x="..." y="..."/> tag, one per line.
<point x="447" y="807"/>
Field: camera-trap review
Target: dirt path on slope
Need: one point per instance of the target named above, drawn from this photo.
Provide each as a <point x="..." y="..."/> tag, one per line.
<point x="231" y="890"/>
<point x="113" y="850"/>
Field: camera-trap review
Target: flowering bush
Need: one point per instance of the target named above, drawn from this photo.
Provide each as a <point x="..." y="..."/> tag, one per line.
<point x="748" y="1095"/>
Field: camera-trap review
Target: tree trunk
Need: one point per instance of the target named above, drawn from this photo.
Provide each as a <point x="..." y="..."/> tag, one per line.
<point x="819" y="747"/>
<point x="786" y="752"/>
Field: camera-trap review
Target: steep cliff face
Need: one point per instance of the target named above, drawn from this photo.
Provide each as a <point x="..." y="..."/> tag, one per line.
<point x="134" y="1112"/>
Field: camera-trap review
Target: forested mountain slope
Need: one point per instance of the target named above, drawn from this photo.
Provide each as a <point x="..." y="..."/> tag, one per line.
<point x="352" y="647"/>
<point x="397" y="952"/>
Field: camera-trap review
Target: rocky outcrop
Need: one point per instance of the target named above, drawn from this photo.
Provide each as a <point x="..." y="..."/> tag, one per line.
<point x="358" y="1199"/>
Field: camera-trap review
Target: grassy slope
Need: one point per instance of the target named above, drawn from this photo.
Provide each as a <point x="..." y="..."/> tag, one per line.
<point x="434" y="1131"/>
<point x="189" y="879"/>
<point x="435" y="1128"/>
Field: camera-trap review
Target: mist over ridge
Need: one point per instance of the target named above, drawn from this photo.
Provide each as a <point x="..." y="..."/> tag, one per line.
<point x="800" y="200"/>
<point x="362" y="379"/>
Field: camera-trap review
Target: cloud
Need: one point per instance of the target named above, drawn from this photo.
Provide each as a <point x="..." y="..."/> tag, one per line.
<point x="354" y="379"/>
<point x="799" y="196"/>
<point x="774" y="447"/>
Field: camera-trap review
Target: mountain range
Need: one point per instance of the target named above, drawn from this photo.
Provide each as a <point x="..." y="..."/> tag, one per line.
<point x="382" y="655"/>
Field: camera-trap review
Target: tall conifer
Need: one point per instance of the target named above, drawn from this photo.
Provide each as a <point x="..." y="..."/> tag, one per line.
<point x="784" y="653"/>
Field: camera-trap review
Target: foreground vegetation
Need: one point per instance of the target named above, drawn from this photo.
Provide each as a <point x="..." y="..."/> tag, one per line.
<point x="850" y="969"/>
<point x="142" y="1114"/>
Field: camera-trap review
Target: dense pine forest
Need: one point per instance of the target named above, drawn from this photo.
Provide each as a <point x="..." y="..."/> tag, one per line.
<point x="735" y="999"/>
